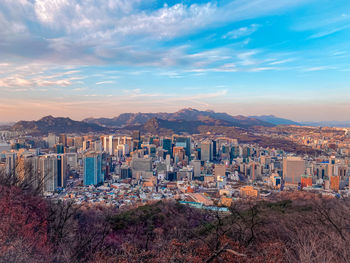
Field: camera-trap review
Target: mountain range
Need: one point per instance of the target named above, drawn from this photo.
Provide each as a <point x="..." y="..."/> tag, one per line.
<point x="186" y="120"/>
<point x="275" y="120"/>
<point x="50" y="124"/>
<point x="188" y="115"/>
<point x="339" y="124"/>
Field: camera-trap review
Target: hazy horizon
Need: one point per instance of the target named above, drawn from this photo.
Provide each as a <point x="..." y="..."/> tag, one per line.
<point x="100" y="58"/>
<point x="116" y="115"/>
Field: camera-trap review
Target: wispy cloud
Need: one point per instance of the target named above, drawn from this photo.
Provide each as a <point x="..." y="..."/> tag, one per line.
<point x="283" y="61"/>
<point x="35" y="75"/>
<point x="246" y="58"/>
<point x="319" y="68"/>
<point x="105" y="82"/>
<point x="75" y="46"/>
<point x="242" y="32"/>
<point x="330" y="31"/>
<point x="99" y="32"/>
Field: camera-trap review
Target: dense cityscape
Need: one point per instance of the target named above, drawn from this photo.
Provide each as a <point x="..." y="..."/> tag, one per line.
<point x="202" y="169"/>
<point x="226" y="190"/>
<point x="174" y="131"/>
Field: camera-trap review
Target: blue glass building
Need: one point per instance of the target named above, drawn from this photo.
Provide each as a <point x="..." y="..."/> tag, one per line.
<point x="93" y="169"/>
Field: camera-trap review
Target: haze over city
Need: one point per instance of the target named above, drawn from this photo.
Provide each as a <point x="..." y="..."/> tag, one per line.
<point x="102" y="58"/>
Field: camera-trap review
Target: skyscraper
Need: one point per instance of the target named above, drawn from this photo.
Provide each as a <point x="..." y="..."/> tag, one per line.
<point x="63" y="139"/>
<point x="10" y="163"/>
<point x="110" y="145"/>
<point x="167" y="145"/>
<point x="196" y="167"/>
<point x="214" y="150"/>
<point x="61" y="170"/>
<point x="51" y="139"/>
<point x="48" y="170"/>
<point x="182" y="141"/>
<point x="93" y="169"/>
<point x="179" y="154"/>
<point x="234" y="153"/>
<point x="206" y="151"/>
<point x="293" y="169"/>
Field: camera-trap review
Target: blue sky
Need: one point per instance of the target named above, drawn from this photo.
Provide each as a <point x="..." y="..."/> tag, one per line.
<point x="83" y="58"/>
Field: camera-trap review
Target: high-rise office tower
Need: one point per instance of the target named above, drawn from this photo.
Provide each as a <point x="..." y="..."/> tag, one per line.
<point x="246" y="152"/>
<point x="27" y="168"/>
<point x="167" y="145"/>
<point x="206" y="151"/>
<point x="59" y="148"/>
<point x="293" y="169"/>
<point x="10" y="166"/>
<point x="93" y="169"/>
<point x="179" y="154"/>
<point x="182" y="141"/>
<point x="51" y="140"/>
<point x="234" y="153"/>
<point x="78" y="142"/>
<point x="63" y="139"/>
<point x="104" y="140"/>
<point x="196" y="167"/>
<point x="48" y="172"/>
<point x="61" y="170"/>
<point x="214" y="150"/>
<point x="110" y="145"/>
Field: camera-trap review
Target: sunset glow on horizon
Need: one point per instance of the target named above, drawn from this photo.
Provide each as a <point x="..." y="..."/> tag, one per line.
<point x="82" y="59"/>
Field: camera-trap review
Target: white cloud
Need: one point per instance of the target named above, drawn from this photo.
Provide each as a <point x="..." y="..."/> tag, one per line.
<point x="330" y="31"/>
<point x="246" y="58"/>
<point x="283" y="61"/>
<point x="319" y="68"/>
<point x="242" y="32"/>
<point x="105" y="82"/>
<point x="36" y="75"/>
<point x="99" y="31"/>
<point x="258" y="69"/>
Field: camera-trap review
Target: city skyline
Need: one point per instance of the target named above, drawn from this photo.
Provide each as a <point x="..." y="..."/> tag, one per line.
<point x="100" y="59"/>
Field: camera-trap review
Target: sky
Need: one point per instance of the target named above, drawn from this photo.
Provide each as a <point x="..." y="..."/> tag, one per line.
<point x="100" y="58"/>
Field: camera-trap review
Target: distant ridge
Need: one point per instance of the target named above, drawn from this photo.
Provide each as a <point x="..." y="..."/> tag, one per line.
<point x="188" y="114"/>
<point x="275" y="120"/>
<point x="50" y="124"/>
<point x="160" y="126"/>
<point x="338" y="124"/>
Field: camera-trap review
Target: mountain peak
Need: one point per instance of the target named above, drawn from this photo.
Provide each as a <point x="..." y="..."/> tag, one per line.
<point x="184" y="110"/>
<point x="50" y="124"/>
<point x="47" y="118"/>
<point x="185" y="114"/>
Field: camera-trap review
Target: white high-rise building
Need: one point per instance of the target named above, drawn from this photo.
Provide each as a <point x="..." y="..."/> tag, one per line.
<point x="196" y="167"/>
<point x="48" y="172"/>
<point x="51" y="140"/>
<point x="110" y="145"/>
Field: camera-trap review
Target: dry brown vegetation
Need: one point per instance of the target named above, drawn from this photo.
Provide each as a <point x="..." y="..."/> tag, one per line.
<point x="298" y="227"/>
